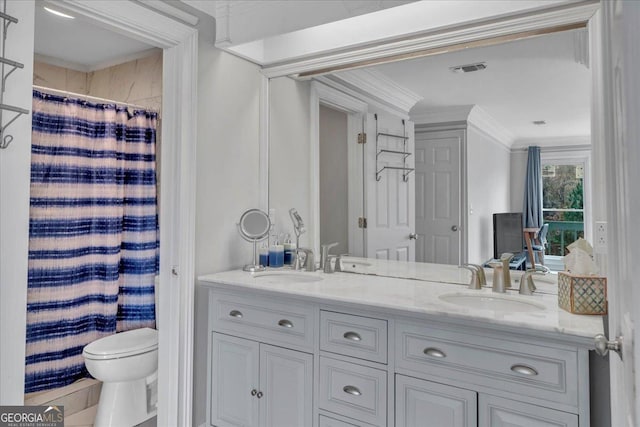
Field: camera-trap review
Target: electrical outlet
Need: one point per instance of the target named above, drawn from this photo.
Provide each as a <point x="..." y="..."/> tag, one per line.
<point x="600" y="243"/>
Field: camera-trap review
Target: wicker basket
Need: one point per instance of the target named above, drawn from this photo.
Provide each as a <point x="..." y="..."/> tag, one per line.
<point x="582" y="294"/>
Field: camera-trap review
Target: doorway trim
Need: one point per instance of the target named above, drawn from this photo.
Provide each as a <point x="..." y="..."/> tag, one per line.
<point x="321" y="94"/>
<point x="177" y="211"/>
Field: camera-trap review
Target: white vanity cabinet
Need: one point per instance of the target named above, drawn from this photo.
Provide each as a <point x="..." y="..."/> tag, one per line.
<point x="256" y="384"/>
<point x="284" y="360"/>
<point x="425" y="403"/>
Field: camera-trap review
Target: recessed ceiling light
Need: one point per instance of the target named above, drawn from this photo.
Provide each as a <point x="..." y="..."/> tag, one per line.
<point x="58" y="13"/>
<point x="539" y="122"/>
<point x="468" y="68"/>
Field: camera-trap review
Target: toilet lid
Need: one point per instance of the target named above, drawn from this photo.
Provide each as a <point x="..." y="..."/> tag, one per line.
<point x="122" y="344"/>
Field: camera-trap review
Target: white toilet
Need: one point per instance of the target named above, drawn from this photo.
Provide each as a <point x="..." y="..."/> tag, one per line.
<point x="127" y="365"/>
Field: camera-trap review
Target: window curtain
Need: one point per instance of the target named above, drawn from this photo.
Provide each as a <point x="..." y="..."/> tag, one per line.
<point x="532" y="207"/>
<point x="93" y="232"/>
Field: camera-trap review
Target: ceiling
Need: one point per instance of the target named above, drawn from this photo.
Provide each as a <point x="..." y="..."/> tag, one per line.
<point x="533" y="79"/>
<point x="527" y="80"/>
<point x="79" y="44"/>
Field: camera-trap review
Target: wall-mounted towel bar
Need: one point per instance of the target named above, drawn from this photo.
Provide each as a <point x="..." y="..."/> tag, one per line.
<point x="404" y="153"/>
<point x="5" y="139"/>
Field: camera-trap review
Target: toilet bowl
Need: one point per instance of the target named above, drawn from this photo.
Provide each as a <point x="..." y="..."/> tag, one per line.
<point x="127" y="365"/>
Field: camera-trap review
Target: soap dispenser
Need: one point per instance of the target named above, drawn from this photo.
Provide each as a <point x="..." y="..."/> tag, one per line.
<point x="264" y="255"/>
<point x="289" y="251"/>
<point x="276" y="254"/>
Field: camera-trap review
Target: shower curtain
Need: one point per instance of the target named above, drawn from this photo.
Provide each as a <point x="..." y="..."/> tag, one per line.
<point x="93" y="232"/>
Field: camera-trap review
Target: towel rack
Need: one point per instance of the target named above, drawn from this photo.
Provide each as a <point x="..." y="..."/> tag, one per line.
<point x="6" y="139"/>
<point x="404" y="153"/>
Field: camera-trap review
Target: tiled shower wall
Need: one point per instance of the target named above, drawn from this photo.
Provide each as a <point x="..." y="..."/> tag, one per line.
<point x="135" y="82"/>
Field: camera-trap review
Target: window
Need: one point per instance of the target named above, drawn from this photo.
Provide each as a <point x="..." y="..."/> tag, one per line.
<point x="563" y="201"/>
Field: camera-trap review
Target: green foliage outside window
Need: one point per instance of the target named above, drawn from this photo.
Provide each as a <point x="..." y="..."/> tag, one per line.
<point x="563" y="189"/>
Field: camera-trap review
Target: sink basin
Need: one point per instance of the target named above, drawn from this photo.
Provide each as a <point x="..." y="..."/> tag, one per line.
<point x="492" y="302"/>
<point x="287" y="277"/>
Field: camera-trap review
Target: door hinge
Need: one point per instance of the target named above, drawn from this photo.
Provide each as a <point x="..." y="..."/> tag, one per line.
<point x="362" y="138"/>
<point x="362" y="222"/>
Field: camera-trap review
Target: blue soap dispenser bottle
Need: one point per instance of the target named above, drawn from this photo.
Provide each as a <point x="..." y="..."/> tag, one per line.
<point x="276" y="254"/>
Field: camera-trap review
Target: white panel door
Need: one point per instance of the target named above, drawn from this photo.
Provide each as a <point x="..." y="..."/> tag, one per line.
<point x="438" y="198"/>
<point x="390" y="201"/>
<point x="286" y="378"/>
<point x="427" y="404"/>
<point x="622" y="156"/>
<point x="498" y="412"/>
<point x="234" y="375"/>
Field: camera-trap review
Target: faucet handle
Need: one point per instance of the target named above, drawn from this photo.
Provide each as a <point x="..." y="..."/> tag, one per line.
<point x="338" y="265"/>
<point x="482" y="278"/>
<point x="475" y="279"/>
<point x="327" y="264"/>
<point x="527" y="286"/>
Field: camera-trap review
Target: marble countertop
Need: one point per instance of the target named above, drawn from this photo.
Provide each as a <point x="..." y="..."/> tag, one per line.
<point x="418" y="297"/>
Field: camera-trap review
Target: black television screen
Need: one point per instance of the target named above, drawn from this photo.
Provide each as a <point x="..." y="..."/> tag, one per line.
<point x="507" y="233"/>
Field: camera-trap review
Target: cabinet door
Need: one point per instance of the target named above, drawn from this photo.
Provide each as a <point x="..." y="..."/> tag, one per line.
<point x="499" y="412"/>
<point x="234" y="375"/>
<point x="427" y="404"/>
<point x="286" y="378"/>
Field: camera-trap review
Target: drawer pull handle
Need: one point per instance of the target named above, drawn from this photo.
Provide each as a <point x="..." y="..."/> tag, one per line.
<point x="285" y="323"/>
<point x="352" y="390"/>
<point x="524" y="370"/>
<point x="353" y="336"/>
<point x="434" y="352"/>
<point x="235" y="313"/>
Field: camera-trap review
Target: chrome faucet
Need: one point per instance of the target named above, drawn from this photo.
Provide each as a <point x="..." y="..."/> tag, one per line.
<point x="527" y="286"/>
<point x="478" y="279"/>
<point x="324" y="256"/>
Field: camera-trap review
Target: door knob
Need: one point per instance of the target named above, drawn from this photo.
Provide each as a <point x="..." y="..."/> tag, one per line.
<point x="603" y="345"/>
<point x="454" y="228"/>
<point x="413" y="236"/>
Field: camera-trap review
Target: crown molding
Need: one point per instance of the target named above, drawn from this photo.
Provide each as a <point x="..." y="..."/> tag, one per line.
<point x="485" y="123"/>
<point x="575" y="142"/>
<point x="375" y="85"/>
<point x="472" y="115"/>
<point x="429" y="116"/>
<point x="372" y="102"/>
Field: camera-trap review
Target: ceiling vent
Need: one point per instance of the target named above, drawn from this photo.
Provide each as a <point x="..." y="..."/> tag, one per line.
<point x="468" y="68"/>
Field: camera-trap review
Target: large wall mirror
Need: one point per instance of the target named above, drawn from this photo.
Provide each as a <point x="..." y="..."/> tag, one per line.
<point x="446" y="139"/>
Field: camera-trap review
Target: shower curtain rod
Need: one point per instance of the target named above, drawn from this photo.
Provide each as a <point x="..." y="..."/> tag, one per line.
<point x="93" y="98"/>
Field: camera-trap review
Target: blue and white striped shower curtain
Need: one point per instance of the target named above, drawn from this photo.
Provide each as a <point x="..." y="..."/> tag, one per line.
<point x="93" y="245"/>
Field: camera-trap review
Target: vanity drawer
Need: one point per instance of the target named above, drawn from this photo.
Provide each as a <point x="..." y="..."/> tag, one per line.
<point x="356" y="336"/>
<point x="264" y="320"/>
<point x="354" y="391"/>
<point x="546" y="373"/>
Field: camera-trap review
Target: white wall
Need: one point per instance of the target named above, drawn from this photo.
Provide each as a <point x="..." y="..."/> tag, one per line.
<point x="518" y="175"/>
<point x="289" y="153"/>
<point x="488" y="174"/>
<point x="227" y="181"/>
<point x="15" y="166"/>
<point x="334" y="225"/>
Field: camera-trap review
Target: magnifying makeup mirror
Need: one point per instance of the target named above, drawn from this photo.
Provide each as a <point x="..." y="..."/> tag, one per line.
<point x="254" y="226"/>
